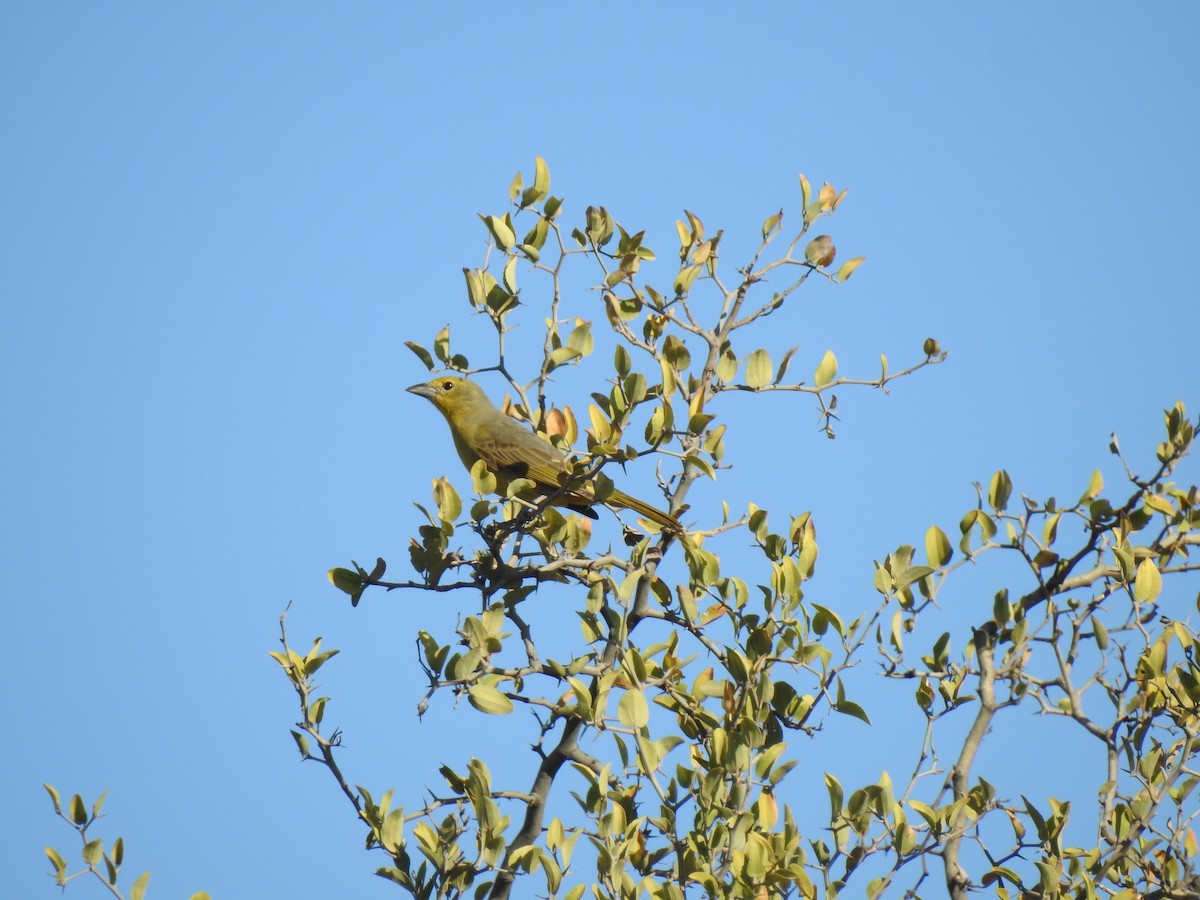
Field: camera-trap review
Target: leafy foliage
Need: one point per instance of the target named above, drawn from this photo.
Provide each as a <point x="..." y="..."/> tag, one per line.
<point x="703" y="740"/>
<point x="695" y="679"/>
<point x="1090" y="640"/>
<point x="79" y="817"/>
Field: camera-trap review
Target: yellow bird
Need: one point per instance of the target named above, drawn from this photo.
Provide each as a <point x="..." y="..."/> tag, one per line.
<point x="509" y="450"/>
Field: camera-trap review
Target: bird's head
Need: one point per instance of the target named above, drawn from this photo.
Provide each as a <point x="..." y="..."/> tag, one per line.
<point x="449" y="393"/>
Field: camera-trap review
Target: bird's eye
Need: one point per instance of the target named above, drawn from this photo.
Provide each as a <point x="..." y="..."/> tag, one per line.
<point x="446" y="385"/>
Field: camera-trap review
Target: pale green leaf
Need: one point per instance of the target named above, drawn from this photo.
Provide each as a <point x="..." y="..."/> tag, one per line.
<point x="758" y="369"/>
<point x="633" y="711"/>
<point x="487" y="699"/>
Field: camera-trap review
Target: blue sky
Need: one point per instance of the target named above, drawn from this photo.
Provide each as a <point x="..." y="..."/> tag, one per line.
<point x="221" y="222"/>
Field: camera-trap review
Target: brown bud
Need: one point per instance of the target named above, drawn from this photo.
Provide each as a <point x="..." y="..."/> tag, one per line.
<point x="820" y="251"/>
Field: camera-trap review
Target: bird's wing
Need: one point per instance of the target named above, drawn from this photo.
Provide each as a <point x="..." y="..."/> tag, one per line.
<point x="504" y="444"/>
<point x="507" y="447"/>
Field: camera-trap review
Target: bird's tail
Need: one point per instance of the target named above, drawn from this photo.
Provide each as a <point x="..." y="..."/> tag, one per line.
<point x="646" y="511"/>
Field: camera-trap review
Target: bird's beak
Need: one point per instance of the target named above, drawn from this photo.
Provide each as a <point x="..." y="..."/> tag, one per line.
<point x="422" y="390"/>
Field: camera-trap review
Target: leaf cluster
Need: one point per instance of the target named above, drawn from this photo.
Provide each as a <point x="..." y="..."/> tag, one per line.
<point x="689" y="678"/>
<point x="78" y="816"/>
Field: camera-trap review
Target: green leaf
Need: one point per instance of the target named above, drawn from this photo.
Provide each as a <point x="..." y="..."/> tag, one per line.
<point x="391" y="834"/>
<point x="686" y="278"/>
<point x="93" y="851"/>
<point x="621" y="361"/>
<point x="771" y="224"/>
<point x="138" y="891"/>
<point x="441" y="345"/>
<point x="762" y="765"/>
<point x="633" y="711"/>
<point x="924" y="693"/>
<point x="758" y="853"/>
<point x="541" y="176"/>
<point x="501" y="230"/>
<point x="510" y="275"/>
<point x="758" y="369"/>
<point x="301" y="743"/>
<point x="826" y="370"/>
<point x="727" y="364"/>
<point x="937" y="547"/>
<point x="60" y="864"/>
<point x="346" y="581"/>
<point x="911" y="575"/>
<point x="487" y="699"/>
<point x="562" y="355"/>
<point x="1001" y="607"/>
<point x="676" y="353"/>
<point x="483" y="480"/>
<point x="527" y="858"/>
<point x="448" y="502"/>
<point x="476" y="288"/>
<point x="999" y="491"/>
<point x="536" y="239"/>
<point x="1002" y="873"/>
<point x="836" y="795"/>
<point x="826" y="616"/>
<point x="541" y="184"/>
<point x="1047" y="878"/>
<point x="422" y="353"/>
<point x="700" y="464"/>
<point x="54" y="796"/>
<point x="580" y="338"/>
<point x="78" y="810"/>
<point x="850" y="708"/>
<point x="1050" y="529"/>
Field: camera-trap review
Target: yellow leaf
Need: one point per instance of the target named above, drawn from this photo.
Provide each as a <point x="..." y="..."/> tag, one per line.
<point x="541" y="177"/>
<point x="1148" y="583"/>
<point x="826" y="370"/>
<point x="848" y="267"/>
<point x="685" y="237"/>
